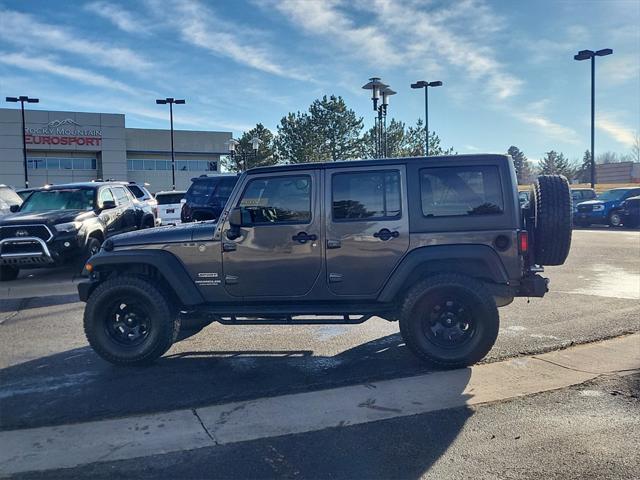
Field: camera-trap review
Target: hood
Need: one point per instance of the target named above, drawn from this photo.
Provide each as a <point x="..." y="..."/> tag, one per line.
<point x="51" y="217"/>
<point x="187" y="232"/>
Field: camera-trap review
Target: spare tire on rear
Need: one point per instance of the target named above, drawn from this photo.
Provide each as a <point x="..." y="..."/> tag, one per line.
<point x="551" y="210"/>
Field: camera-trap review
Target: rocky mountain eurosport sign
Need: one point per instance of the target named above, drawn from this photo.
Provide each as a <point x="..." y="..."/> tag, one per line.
<point x="63" y="132"/>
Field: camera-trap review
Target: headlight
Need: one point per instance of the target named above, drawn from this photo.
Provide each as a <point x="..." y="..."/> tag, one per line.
<point x="69" y="227"/>
<point x="598" y="208"/>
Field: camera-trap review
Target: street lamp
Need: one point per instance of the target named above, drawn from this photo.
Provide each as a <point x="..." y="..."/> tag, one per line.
<point x="244" y="155"/>
<point x="171" y="101"/>
<point x="376" y="87"/>
<point x="386" y="93"/>
<point x="23" y="99"/>
<point x="586" y="55"/>
<point x="426" y="85"/>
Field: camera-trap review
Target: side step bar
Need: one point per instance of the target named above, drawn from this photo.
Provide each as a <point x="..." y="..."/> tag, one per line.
<point x="293" y="320"/>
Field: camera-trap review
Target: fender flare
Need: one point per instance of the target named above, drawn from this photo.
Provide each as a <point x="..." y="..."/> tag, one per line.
<point x="478" y="261"/>
<point x="167" y="264"/>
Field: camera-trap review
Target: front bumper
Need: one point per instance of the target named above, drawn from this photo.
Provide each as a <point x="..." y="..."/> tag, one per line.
<point x="19" y="251"/>
<point x="34" y="251"/>
<point x="590" y="217"/>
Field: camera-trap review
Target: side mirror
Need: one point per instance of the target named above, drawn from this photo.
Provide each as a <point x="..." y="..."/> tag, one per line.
<point x="235" y="217"/>
<point x="108" y="205"/>
<point x="14" y="208"/>
<point x="183" y="201"/>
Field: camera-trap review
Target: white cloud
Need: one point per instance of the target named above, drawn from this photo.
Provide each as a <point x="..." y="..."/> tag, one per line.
<point x="200" y="27"/>
<point x="616" y="130"/>
<point x="618" y="69"/>
<point x="550" y="128"/>
<point x="411" y="35"/>
<point x="53" y="66"/>
<point x="122" y="19"/>
<point x="27" y="31"/>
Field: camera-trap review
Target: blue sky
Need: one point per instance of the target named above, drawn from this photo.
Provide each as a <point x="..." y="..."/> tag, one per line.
<point x="507" y="66"/>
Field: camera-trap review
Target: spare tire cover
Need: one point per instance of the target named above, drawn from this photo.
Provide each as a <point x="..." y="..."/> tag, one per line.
<point x="551" y="207"/>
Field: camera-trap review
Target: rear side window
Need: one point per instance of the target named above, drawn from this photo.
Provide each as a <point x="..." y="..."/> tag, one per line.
<point x="121" y="195"/>
<point x="225" y="187"/>
<point x="468" y="191"/>
<point x="366" y="195"/>
<point x="169" y="198"/>
<point x="200" y="190"/>
<point x="137" y="191"/>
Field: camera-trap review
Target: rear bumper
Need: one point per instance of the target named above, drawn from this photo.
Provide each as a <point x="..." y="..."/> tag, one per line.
<point x="533" y="286"/>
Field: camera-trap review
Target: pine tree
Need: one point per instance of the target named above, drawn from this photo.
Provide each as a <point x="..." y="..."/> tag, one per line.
<point x="521" y="164"/>
<point x="245" y="154"/>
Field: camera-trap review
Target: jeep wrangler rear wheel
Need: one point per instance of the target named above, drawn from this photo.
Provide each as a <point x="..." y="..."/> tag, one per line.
<point x="128" y="321"/>
<point x="449" y="320"/>
<point x="551" y="230"/>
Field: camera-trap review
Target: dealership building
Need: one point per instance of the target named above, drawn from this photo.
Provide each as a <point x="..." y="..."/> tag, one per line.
<point x="64" y="147"/>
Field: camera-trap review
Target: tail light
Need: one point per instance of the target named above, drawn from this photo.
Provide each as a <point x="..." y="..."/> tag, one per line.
<point x="523" y="242"/>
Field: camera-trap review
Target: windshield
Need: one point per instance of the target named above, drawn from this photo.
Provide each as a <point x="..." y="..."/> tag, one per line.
<point x="612" y="195"/>
<point x="62" y="199"/>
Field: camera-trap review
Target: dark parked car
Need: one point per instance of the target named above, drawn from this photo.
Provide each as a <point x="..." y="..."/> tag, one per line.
<point x="66" y="222"/>
<point x="606" y="209"/>
<point x="630" y="211"/>
<point x="436" y="243"/>
<point x="206" y="197"/>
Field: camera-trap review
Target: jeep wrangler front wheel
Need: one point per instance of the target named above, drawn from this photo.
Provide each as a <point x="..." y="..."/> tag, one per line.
<point x="128" y="321"/>
<point x="449" y="320"/>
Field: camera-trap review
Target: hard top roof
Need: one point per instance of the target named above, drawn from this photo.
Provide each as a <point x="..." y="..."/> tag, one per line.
<point x="492" y="157"/>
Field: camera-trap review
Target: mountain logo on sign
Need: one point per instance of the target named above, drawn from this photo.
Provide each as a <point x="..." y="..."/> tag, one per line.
<point x="58" y="123"/>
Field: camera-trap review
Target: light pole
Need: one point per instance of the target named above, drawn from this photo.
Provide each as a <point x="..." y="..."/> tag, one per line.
<point x="585" y="55"/>
<point x="386" y="93"/>
<point x="376" y="87"/>
<point x="426" y="85"/>
<point x="171" y="101"/>
<point x="22" y="99"/>
<point x="233" y="143"/>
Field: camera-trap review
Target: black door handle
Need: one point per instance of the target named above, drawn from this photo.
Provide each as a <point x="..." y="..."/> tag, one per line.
<point x="386" y="234"/>
<point x="303" y="237"/>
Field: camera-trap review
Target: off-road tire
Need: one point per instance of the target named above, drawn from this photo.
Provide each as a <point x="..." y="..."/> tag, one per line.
<point x="163" y="317"/>
<point x="8" y="273"/>
<point x="552" y="224"/>
<point x="615" y="219"/>
<point x="421" y="299"/>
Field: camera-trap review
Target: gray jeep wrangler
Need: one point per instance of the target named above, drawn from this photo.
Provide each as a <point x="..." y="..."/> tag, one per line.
<point x="436" y="243"/>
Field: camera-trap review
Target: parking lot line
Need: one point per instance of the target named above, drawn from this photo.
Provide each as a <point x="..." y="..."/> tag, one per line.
<point x="78" y="444"/>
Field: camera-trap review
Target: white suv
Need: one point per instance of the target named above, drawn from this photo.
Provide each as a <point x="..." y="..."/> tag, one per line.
<point x="169" y="206"/>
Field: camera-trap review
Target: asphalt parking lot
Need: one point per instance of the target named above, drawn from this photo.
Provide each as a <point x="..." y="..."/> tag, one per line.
<point x="50" y="376"/>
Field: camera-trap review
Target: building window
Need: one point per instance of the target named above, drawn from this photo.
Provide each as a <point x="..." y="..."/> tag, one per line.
<point x="58" y="163"/>
<point x="181" y="165"/>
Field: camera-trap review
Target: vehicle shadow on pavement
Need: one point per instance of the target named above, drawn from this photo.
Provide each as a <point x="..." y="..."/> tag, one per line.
<point x="21" y="304"/>
<point x="77" y="386"/>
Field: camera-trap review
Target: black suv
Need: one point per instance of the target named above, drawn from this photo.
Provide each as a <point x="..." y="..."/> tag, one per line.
<point x="207" y="197"/>
<point x="66" y="222"/>
<point x="436" y="243"/>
